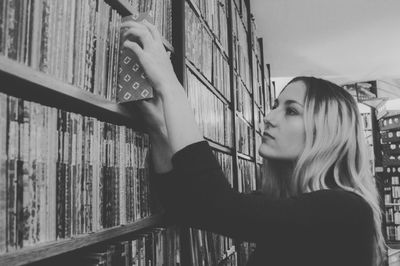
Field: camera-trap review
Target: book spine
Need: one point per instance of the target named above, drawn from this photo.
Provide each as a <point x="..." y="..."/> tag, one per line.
<point x="27" y="178"/>
<point x="3" y="171"/>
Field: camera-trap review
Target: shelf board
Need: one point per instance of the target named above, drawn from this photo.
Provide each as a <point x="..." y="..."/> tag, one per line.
<point x="245" y="157"/>
<point x="125" y="9"/>
<point x="393" y="244"/>
<point x="221" y="48"/>
<point x="219" y="147"/>
<point x="243" y="83"/>
<point x="207" y="83"/>
<point x="240" y="115"/>
<point x="24" y="82"/>
<point x="54" y="248"/>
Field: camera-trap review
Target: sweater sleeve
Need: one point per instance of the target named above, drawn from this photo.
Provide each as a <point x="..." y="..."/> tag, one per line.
<point x="200" y="196"/>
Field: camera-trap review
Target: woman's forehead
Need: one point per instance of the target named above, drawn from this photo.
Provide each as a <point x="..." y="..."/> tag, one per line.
<point x="295" y="91"/>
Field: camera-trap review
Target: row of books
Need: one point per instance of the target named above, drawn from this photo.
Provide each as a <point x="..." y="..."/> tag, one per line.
<point x="392" y="212"/>
<point x="254" y="39"/>
<point x="65" y="174"/>
<point x="241" y="9"/>
<point x="393" y="232"/>
<point x="212" y="115"/>
<point x="199" y="43"/>
<point x="244" y="138"/>
<point x="258" y="84"/>
<point x="241" y="61"/>
<point x="388" y="127"/>
<point x="221" y="73"/>
<point x="390" y="137"/>
<point x="159" y="10"/>
<point x="259" y="159"/>
<point x="259" y="120"/>
<point x="393" y="191"/>
<point x="158" y="247"/>
<point x="226" y="163"/>
<point x="208" y="248"/>
<point x="214" y="14"/>
<point x="392" y="148"/>
<point x="75" y="41"/>
<point x="391" y="170"/>
<point x="244" y="102"/>
<point x="259" y="175"/>
<point x="390" y="123"/>
<point x="246" y="176"/>
<point x="389" y="160"/>
<point x="203" y="52"/>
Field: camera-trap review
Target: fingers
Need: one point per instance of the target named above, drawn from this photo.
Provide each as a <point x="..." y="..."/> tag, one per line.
<point x="144" y="31"/>
<point x="134" y="47"/>
<point x="139" y="34"/>
<point x="153" y="30"/>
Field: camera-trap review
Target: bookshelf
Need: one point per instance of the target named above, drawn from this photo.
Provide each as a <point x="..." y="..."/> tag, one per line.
<point x="230" y="31"/>
<point x="389" y="128"/>
<point x="51" y="249"/>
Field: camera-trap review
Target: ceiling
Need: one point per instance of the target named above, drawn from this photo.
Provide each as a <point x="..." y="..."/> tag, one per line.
<point x="339" y="40"/>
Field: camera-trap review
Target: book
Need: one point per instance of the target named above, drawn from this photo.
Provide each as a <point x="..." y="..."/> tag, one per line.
<point x="132" y="82"/>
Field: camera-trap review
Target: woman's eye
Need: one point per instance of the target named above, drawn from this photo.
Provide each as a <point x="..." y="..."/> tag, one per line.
<point x="274" y="106"/>
<point x="291" y="111"/>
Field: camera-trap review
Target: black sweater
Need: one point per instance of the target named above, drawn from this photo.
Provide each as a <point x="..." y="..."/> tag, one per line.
<point x="326" y="227"/>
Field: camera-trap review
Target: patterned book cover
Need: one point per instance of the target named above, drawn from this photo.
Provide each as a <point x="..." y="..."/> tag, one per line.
<point x="132" y="82"/>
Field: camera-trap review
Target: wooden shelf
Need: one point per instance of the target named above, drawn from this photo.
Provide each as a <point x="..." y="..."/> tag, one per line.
<point x="24" y="82"/>
<point x="54" y="248"/>
<point x="125" y="9"/>
<point x="219" y="147"/>
<point x="245" y="157"/>
<point x="236" y="74"/>
<point x="207" y="83"/>
<point x="393" y="244"/>
<point x="240" y="115"/>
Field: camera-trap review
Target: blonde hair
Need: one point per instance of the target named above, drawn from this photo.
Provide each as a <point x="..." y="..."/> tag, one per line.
<point x="335" y="153"/>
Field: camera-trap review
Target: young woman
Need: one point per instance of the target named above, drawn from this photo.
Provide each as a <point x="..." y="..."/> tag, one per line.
<point x="319" y="204"/>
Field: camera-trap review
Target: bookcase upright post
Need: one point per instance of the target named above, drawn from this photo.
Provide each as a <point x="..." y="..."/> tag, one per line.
<point x="179" y="62"/>
<point x="233" y="95"/>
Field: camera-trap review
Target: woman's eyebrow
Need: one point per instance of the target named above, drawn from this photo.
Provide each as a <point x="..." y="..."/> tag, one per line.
<point x="293" y="101"/>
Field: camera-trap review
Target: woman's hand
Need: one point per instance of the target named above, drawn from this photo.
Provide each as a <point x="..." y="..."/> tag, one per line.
<point x="181" y="128"/>
<point x="145" y="41"/>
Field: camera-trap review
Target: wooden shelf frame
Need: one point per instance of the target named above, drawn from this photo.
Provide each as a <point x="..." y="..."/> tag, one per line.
<point x="54" y="248"/>
<point x="30" y="84"/>
<point x="207" y="83"/>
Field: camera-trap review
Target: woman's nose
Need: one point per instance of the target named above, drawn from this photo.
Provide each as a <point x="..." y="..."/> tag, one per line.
<point x="270" y="119"/>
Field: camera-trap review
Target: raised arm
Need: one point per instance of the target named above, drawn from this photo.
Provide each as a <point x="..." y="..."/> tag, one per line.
<point x="180" y="123"/>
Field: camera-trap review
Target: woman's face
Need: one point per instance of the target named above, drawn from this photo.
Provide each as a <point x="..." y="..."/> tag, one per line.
<point x="284" y="132"/>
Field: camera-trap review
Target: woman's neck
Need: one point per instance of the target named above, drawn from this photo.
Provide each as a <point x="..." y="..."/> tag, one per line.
<point x="283" y="169"/>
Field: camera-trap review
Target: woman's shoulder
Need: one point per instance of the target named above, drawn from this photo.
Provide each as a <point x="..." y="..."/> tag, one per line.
<point x="341" y="203"/>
